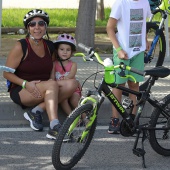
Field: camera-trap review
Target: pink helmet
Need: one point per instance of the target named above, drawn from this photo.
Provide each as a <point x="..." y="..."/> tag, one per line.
<point x="66" y="38"/>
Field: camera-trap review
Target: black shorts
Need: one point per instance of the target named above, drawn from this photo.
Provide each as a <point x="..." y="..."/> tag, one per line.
<point x="14" y="94"/>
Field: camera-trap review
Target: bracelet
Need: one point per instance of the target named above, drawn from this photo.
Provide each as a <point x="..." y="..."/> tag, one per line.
<point x="23" y="84"/>
<point x="118" y="49"/>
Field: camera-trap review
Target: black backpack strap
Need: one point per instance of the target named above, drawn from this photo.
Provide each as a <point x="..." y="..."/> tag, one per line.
<point x="50" y="46"/>
<point x="24" y="47"/>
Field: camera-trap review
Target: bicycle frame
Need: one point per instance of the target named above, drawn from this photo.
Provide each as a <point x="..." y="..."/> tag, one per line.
<point x="157" y="35"/>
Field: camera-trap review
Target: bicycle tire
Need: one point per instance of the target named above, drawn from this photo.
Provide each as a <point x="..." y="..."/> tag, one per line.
<point x="65" y="155"/>
<point x="159" y="140"/>
<point x="158" y="54"/>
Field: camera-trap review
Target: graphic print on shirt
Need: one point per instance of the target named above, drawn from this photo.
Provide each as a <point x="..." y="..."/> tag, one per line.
<point x="59" y="76"/>
<point x="135" y="38"/>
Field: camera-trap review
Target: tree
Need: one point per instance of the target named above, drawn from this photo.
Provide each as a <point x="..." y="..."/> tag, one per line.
<point x="100" y="10"/>
<point x="85" y="26"/>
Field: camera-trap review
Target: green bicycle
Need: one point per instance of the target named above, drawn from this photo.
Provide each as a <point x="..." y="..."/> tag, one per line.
<point x="74" y="138"/>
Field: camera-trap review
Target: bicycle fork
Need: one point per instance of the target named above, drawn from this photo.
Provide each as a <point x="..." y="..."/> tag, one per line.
<point x="92" y="118"/>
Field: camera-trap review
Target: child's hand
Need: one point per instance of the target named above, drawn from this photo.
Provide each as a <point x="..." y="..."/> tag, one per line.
<point x="122" y="55"/>
<point x="61" y="78"/>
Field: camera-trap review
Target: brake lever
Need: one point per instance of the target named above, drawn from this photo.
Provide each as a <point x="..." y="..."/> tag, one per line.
<point x="89" y="57"/>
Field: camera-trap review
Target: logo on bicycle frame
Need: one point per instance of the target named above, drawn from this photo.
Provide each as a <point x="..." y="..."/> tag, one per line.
<point x="117" y="103"/>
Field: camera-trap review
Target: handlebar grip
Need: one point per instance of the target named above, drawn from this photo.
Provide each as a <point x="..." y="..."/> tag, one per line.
<point x="7" y="69"/>
<point x="142" y="73"/>
<point x="85" y="48"/>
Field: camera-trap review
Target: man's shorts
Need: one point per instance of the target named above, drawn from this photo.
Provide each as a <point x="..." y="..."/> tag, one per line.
<point x="135" y="62"/>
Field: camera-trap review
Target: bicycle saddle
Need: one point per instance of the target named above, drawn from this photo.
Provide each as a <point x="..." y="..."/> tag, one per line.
<point x="159" y="71"/>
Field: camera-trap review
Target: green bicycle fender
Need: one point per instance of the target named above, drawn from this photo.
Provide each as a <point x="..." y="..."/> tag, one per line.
<point x="88" y="98"/>
<point x="160" y="44"/>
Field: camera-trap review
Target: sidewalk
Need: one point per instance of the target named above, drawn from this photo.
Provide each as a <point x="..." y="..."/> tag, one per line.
<point x="11" y="114"/>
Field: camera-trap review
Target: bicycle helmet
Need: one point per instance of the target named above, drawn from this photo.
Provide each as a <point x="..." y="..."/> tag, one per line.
<point x="36" y="13"/>
<point x="66" y="38"/>
<point x="154" y="4"/>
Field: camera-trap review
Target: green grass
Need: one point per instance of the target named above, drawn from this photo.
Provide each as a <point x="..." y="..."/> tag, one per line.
<point x="58" y="17"/>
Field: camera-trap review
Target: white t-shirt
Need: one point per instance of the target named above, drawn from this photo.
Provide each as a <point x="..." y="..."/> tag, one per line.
<point x="131" y="25"/>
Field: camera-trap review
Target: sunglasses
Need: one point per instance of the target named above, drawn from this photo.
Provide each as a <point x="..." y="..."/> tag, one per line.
<point x="40" y="23"/>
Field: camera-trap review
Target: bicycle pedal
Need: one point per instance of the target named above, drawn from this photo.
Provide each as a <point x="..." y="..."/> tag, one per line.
<point x="139" y="152"/>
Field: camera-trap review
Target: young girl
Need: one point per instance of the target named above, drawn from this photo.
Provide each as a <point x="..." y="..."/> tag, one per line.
<point x="64" y="68"/>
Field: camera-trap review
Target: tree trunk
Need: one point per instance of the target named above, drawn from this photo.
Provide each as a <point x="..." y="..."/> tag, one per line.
<point x="85" y="26"/>
<point x="100" y="15"/>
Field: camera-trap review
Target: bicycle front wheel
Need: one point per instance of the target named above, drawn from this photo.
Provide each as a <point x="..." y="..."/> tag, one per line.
<point x="160" y="139"/>
<point x="69" y="149"/>
<point x="158" y="55"/>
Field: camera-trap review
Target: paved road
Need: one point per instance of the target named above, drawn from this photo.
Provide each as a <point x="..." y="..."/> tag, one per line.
<point x="27" y="150"/>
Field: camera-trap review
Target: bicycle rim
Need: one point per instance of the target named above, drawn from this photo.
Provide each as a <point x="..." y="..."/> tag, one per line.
<point x="158" y="54"/>
<point x="69" y="149"/>
<point x="160" y="139"/>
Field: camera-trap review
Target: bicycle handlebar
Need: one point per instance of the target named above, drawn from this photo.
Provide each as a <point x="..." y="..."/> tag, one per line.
<point x="92" y="53"/>
<point x="7" y="69"/>
<point x="85" y="48"/>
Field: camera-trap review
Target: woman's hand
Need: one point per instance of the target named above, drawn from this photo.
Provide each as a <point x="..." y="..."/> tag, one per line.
<point x="32" y="88"/>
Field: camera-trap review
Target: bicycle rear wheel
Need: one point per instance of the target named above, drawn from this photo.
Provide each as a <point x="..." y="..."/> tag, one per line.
<point x="68" y="150"/>
<point x="158" y="54"/>
<point x="160" y="139"/>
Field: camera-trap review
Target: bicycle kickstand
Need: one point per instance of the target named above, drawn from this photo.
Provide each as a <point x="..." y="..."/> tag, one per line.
<point x="140" y="152"/>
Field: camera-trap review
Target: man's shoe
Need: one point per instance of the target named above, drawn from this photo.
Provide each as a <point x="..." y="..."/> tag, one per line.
<point x="114" y="126"/>
<point x="52" y="133"/>
<point x="35" y="120"/>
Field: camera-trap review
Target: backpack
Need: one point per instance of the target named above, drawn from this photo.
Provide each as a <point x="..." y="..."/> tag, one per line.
<point x="24" y="46"/>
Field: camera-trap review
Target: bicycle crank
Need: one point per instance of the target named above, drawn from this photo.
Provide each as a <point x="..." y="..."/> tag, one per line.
<point x="126" y="129"/>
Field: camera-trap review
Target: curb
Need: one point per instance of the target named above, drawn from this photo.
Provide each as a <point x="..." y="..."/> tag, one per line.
<point x="14" y="30"/>
<point x="7" y="30"/>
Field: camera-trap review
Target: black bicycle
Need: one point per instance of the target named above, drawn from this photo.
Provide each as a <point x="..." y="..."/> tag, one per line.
<point x="75" y="137"/>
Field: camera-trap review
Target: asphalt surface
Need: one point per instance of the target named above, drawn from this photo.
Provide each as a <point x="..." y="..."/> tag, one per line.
<point x="28" y="150"/>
